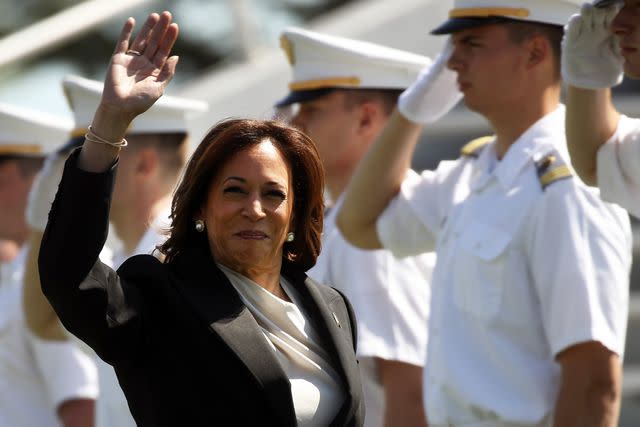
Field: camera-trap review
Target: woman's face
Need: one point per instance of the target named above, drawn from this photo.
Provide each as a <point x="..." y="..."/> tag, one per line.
<point x="248" y="211"/>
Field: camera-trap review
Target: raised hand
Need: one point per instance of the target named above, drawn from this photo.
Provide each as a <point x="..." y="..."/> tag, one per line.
<point x="140" y="70"/>
<point x="138" y="73"/>
<point x="434" y="93"/>
<point x="591" y="57"/>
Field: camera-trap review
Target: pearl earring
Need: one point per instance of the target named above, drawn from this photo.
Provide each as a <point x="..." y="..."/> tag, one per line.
<point x="290" y="236"/>
<point x="199" y="225"/>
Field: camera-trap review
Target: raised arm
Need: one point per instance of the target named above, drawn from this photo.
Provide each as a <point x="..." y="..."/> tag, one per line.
<point x="89" y="297"/>
<point x="591" y="121"/>
<point x="377" y="180"/>
<point x="379" y="175"/>
<point x="138" y="73"/>
<point x="591" y="64"/>
<point x="41" y="320"/>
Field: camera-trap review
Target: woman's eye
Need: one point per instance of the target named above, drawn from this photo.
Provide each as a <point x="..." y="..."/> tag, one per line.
<point x="277" y="194"/>
<point x="233" y="190"/>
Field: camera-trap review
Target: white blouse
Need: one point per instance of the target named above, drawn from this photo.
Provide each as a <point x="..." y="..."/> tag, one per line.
<point x="315" y="386"/>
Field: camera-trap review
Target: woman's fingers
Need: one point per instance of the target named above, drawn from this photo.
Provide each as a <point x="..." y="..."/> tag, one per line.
<point x="139" y="44"/>
<point x="157" y="34"/>
<point x="168" y="70"/>
<point x="165" y="46"/>
<point x="123" y="42"/>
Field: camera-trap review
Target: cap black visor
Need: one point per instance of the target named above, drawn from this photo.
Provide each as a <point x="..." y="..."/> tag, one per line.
<point x="297" y="96"/>
<point x="458" y="24"/>
<point x="606" y="3"/>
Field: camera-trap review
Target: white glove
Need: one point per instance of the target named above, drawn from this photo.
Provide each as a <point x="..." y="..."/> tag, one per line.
<point x="44" y="190"/>
<point x="434" y="93"/>
<point x="591" y="56"/>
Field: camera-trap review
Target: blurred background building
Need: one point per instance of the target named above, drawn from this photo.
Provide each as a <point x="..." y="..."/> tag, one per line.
<point x="230" y="57"/>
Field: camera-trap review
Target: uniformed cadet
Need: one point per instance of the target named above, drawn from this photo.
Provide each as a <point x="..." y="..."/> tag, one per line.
<point x="602" y="44"/>
<point x="44" y="383"/>
<point x="529" y="296"/>
<point x="344" y="91"/>
<point x="140" y="207"/>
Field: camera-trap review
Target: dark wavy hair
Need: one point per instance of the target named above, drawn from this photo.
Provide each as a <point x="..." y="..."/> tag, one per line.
<point x="221" y="143"/>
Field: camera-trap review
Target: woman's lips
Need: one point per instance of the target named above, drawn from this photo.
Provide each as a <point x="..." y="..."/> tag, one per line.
<point x="252" y="235"/>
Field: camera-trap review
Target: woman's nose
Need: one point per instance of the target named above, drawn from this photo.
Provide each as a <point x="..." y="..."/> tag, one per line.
<point x="254" y="209"/>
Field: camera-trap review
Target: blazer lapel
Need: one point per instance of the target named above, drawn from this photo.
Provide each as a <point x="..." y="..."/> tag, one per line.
<point x="331" y="327"/>
<point x="217" y="303"/>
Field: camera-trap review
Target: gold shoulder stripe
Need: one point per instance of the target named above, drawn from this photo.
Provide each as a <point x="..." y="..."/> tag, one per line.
<point x="552" y="168"/>
<point x="473" y="148"/>
<point x="561" y="172"/>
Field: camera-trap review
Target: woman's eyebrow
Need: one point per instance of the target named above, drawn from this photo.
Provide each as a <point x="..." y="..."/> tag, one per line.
<point x="236" y="178"/>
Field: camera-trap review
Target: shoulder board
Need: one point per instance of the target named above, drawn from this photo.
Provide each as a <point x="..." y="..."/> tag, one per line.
<point x="551" y="168"/>
<point x="474" y="148"/>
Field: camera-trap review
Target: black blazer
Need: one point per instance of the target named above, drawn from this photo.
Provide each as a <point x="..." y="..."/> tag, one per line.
<point x="186" y="350"/>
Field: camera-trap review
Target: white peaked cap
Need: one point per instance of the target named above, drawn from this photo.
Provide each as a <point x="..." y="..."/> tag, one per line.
<point x="320" y="61"/>
<point x="470" y="13"/>
<point x="168" y="115"/>
<point x="26" y="132"/>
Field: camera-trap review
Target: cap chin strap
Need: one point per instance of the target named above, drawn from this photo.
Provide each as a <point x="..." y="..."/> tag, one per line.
<point x="325" y="83"/>
<point x="484" y="12"/>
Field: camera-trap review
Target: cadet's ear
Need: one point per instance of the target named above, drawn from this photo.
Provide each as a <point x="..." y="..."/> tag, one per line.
<point x="369" y="118"/>
<point x="539" y="50"/>
<point x="147" y="161"/>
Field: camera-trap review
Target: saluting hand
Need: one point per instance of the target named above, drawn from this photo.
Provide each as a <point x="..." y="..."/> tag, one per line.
<point x="140" y="70"/>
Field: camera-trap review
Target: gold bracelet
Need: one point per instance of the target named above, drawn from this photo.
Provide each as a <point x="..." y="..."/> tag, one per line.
<point x="92" y="137"/>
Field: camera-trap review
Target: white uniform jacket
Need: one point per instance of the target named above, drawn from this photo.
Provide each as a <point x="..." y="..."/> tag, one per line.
<point x="36" y="377"/>
<point x="528" y="265"/>
<point x="390" y="297"/>
<point x="619" y="166"/>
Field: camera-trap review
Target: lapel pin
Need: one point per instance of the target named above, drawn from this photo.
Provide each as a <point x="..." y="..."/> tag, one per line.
<point x="335" y="317"/>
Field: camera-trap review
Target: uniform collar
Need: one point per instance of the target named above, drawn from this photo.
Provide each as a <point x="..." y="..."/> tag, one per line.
<point x="546" y="133"/>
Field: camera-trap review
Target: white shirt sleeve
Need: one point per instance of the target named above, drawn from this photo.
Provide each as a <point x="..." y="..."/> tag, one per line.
<point x="68" y="372"/>
<point x="580" y="252"/>
<point x="619" y="166"/>
<point x="409" y="224"/>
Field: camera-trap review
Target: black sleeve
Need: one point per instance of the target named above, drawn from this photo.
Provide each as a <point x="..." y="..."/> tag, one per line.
<point x="90" y="299"/>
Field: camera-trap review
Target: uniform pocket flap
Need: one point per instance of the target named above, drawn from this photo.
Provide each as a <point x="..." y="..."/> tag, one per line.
<point x="484" y="241"/>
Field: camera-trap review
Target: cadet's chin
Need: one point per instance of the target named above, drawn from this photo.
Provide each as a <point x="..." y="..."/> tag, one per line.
<point x="468" y="102"/>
